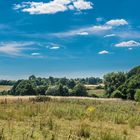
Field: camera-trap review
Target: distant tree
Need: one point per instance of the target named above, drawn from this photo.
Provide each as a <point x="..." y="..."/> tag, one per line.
<point x="63" y="81"/>
<point x="80" y="90"/>
<point x="52" y="90"/>
<point x="113" y="80"/>
<point x="71" y="84"/>
<point x="24" y="87"/>
<point x="58" y="90"/>
<point x="51" y="80"/>
<point x="41" y="90"/>
<point x="32" y="77"/>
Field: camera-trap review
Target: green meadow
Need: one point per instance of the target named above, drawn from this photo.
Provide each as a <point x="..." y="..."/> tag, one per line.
<point x="45" y="118"/>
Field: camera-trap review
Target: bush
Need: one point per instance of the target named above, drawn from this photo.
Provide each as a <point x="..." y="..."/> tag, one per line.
<point x="52" y="90"/>
<point x="59" y="90"/>
<point x="80" y="90"/>
<point x="117" y="94"/>
<point x="137" y="95"/>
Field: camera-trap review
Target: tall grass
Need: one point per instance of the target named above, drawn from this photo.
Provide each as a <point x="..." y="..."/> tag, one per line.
<point x="69" y="119"/>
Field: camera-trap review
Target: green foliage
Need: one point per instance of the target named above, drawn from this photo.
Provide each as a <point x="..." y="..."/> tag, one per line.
<point x="134" y="71"/>
<point x="58" y="90"/>
<point x="80" y="90"/>
<point x="130" y="86"/>
<point x="137" y="95"/>
<point x="113" y="80"/>
<point x="52" y="90"/>
<point x="117" y="94"/>
<point x="24" y="87"/>
<point x="127" y="84"/>
<point x="41" y="90"/>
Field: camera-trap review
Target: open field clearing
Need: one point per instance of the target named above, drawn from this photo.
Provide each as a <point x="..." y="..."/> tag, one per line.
<point x="5" y="88"/>
<point x="68" y="119"/>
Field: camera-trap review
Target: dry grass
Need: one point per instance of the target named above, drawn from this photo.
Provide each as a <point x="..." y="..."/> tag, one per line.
<point x="5" y="88"/>
<point x="68" y="119"/>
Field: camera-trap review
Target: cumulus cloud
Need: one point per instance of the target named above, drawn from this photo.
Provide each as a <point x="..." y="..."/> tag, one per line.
<point x="130" y="43"/>
<point x="82" y="5"/>
<point x="103" y="52"/>
<point x="54" y="6"/>
<point x="14" y="48"/>
<point x="117" y="22"/>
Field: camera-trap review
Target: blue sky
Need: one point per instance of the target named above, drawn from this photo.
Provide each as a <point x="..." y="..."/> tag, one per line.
<point x="73" y="38"/>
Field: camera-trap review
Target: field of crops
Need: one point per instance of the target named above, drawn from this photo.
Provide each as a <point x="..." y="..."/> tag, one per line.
<point x="68" y="119"/>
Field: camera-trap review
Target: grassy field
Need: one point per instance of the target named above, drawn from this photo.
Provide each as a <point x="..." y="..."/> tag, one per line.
<point x="5" y="88"/>
<point x="68" y="119"/>
<point x="94" y="92"/>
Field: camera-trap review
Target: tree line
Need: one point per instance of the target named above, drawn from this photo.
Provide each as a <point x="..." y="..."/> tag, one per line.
<point x="52" y="86"/>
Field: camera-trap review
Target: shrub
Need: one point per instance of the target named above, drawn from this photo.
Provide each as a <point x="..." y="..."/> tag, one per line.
<point x="117" y="94"/>
<point x="137" y="95"/>
<point x="59" y="90"/>
<point x="80" y="90"/>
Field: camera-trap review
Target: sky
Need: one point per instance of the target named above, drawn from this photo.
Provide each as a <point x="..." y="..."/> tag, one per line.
<point x="72" y="38"/>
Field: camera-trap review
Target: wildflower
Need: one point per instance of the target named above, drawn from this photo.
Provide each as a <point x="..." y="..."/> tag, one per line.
<point x="90" y="109"/>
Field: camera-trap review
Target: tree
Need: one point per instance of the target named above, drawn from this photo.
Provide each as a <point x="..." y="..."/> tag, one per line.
<point x="58" y="90"/>
<point x="52" y="90"/>
<point x="71" y="84"/>
<point x="80" y="90"/>
<point x="130" y="86"/>
<point x="117" y="94"/>
<point x="24" y="87"/>
<point x="41" y="90"/>
<point x="113" y="80"/>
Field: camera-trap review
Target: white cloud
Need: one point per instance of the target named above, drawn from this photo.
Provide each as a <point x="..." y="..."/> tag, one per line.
<point x="14" y="48"/>
<point x="110" y="35"/>
<point x="84" y="31"/>
<point x="96" y="30"/>
<point x="117" y="22"/>
<point x="53" y="7"/>
<point x="82" y="5"/>
<point x="35" y="54"/>
<point x="103" y="52"/>
<point x="130" y="43"/>
<point x="55" y="48"/>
